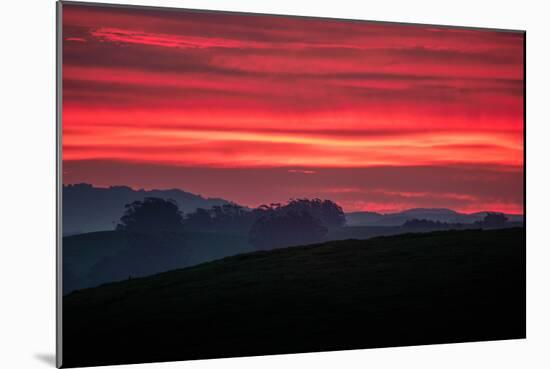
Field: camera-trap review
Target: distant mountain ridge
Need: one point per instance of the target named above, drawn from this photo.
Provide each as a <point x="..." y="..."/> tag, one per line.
<point x="367" y="218"/>
<point x="87" y="208"/>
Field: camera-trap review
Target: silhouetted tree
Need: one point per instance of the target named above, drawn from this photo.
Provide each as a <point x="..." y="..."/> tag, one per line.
<point x="228" y="217"/>
<point x="495" y="220"/>
<point x="152" y="215"/>
<point x="426" y="224"/>
<point x="199" y="220"/>
<point x="235" y="218"/>
<point x="286" y="229"/>
<point x="328" y="212"/>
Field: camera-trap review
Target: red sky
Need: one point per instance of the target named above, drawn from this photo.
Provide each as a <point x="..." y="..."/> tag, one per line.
<point x="260" y="109"/>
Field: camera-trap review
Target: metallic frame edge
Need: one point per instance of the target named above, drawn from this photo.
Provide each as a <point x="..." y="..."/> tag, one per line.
<point x="59" y="185"/>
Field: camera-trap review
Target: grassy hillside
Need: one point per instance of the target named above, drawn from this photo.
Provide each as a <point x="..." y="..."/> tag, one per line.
<point x="401" y="290"/>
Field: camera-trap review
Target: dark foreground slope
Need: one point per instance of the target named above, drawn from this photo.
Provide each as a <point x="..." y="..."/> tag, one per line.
<point x="409" y="289"/>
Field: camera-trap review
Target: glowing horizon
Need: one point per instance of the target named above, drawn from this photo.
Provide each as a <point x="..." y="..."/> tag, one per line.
<point x="180" y="99"/>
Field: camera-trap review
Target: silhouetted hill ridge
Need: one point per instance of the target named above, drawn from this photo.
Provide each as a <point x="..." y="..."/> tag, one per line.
<point x="87" y="208"/>
<point x="366" y="218"/>
<point x="386" y="291"/>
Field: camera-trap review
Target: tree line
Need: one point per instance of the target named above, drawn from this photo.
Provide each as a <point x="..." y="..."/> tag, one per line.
<point x="491" y="220"/>
<point x="299" y="221"/>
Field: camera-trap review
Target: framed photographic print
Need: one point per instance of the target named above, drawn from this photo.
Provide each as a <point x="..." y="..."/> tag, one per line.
<point x="235" y="184"/>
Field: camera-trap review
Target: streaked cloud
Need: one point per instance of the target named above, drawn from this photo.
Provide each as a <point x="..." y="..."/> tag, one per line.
<point x="218" y="91"/>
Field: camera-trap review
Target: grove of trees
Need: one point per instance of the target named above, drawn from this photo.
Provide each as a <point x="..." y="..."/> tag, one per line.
<point x="299" y="221"/>
<point x="152" y="215"/>
<point x="286" y="229"/>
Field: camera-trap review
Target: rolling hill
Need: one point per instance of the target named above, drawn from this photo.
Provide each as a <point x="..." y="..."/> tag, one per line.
<point x="91" y="259"/>
<point x="410" y="289"/>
